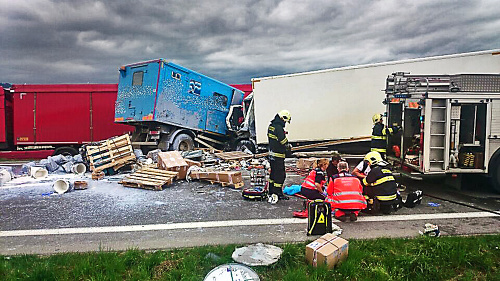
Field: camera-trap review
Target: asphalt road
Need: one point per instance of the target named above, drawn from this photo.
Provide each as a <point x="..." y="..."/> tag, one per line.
<point x="108" y="216"/>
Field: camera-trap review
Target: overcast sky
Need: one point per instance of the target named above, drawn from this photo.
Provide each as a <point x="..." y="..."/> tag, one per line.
<point x="80" y="41"/>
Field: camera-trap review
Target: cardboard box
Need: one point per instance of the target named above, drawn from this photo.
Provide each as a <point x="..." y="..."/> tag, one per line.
<point x="327" y="250"/>
<point x="173" y="161"/>
<point x="306" y="163"/>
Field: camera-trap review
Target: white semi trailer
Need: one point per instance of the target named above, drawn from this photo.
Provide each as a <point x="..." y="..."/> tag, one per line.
<point x="338" y="103"/>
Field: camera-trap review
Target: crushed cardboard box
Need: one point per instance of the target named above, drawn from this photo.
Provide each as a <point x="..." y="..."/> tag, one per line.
<point x="327" y="250"/>
<point x="173" y="161"/>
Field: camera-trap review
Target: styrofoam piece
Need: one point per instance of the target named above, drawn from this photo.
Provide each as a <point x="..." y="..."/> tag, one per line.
<point x="257" y="254"/>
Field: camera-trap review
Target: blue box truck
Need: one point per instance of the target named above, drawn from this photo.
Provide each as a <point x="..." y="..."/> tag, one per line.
<point x="173" y="107"/>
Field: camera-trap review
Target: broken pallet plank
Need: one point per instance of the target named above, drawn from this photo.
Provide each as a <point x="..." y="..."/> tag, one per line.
<point x="233" y="155"/>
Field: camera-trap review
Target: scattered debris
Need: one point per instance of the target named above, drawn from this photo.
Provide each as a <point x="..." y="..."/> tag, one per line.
<point x="38" y="172"/>
<point x="80" y="185"/>
<point x="233" y="155"/>
<point x="257" y="254"/>
<point x="148" y="178"/>
<point x="432" y="204"/>
<point x="110" y="155"/>
<point x="62" y="186"/>
<point x="225" y="178"/>
<point x="173" y="161"/>
<point x="431" y="230"/>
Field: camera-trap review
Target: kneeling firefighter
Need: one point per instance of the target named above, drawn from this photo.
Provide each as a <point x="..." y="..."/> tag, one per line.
<point x="380" y="184"/>
<point x="345" y="194"/>
<point x="278" y="147"/>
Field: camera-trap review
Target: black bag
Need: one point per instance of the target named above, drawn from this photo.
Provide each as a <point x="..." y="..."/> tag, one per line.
<point x="413" y="199"/>
<point x="319" y="219"/>
<point x="254" y="193"/>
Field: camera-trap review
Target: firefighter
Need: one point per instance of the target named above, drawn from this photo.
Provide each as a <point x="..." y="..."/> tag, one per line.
<point x="278" y="147"/>
<point x="345" y="194"/>
<point x="380" y="184"/>
<point x="380" y="133"/>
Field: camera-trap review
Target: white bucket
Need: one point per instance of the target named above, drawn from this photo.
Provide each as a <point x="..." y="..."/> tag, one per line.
<point x="62" y="186"/>
<point x="38" y="172"/>
<point x="78" y="169"/>
<point x="5" y="176"/>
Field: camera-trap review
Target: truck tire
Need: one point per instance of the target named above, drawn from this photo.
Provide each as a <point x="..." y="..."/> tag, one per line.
<point x="66" y="151"/>
<point x="183" y="142"/>
<point x="245" y="146"/>
<point x="494" y="173"/>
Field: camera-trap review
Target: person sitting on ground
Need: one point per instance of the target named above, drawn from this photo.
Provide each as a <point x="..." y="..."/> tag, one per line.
<point x="345" y="194"/>
<point x="380" y="184"/>
<point x="312" y="187"/>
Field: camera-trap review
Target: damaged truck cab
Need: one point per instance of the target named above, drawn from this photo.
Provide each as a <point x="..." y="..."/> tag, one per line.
<point x="173" y="107"/>
<point x="451" y="124"/>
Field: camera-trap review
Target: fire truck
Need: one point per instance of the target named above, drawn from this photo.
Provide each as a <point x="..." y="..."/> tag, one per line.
<point x="451" y="124"/>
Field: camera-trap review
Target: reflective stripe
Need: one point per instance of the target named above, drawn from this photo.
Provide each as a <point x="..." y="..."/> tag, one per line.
<point x="379" y="137"/>
<point x="347" y="201"/>
<point x="278" y="184"/>
<point x="386" y="197"/>
<point x="379" y="150"/>
<point x="276" y="154"/>
<point x="365" y="182"/>
<point x="285" y="140"/>
<point x="384" y="131"/>
<point x="345" y="193"/>
<point x="272" y="136"/>
<point x="271" y="128"/>
<point x="384" y="179"/>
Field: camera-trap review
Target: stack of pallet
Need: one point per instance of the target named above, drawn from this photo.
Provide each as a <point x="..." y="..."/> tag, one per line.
<point x="149" y="178"/>
<point x="112" y="153"/>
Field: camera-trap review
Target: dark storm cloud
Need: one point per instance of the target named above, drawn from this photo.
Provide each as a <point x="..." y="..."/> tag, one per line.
<point x="47" y="41"/>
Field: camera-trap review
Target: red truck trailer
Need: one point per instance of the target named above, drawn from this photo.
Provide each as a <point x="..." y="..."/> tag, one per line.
<point x="38" y="120"/>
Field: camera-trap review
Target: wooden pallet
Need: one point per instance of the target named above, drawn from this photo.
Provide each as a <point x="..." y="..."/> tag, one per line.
<point x="149" y="178"/>
<point x="114" y="152"/>
<point x="233" y="155"/>
<point x="226" y="184"/>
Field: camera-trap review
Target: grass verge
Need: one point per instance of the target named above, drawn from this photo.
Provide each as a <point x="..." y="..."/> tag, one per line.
<point x="423" y="258"/>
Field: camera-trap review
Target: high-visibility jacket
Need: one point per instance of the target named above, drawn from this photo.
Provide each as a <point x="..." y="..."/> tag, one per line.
<point x="379" y="137"/>
<point x="277" y="138"/>
<point x="383" y="182"/>
<point x="315" y="176"/>
<point x="345" y="192"/>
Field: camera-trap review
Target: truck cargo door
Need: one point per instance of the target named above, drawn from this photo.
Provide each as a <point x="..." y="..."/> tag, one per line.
<point x="137" y="89"/>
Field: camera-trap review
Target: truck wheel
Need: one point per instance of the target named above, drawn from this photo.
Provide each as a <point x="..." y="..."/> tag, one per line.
<point x="494" y="171"/>
<point x="66" y="151"/>
<point x="183" y="142"/>
<point x="245" y="146"/>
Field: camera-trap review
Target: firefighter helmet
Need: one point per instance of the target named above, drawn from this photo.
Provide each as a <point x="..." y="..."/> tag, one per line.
<point x="376" y="118"/>
<point x="373" y="158"/>
<point x="285" y="115"/>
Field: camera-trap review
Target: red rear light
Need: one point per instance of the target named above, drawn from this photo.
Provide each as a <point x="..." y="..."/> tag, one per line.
<point x="154" y="132"/>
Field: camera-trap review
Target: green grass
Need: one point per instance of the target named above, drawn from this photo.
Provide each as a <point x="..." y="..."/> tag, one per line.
<point x="423" y="258"/>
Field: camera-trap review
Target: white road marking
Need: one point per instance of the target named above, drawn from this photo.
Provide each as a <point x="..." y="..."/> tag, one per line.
<point x="232" y="223"/>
